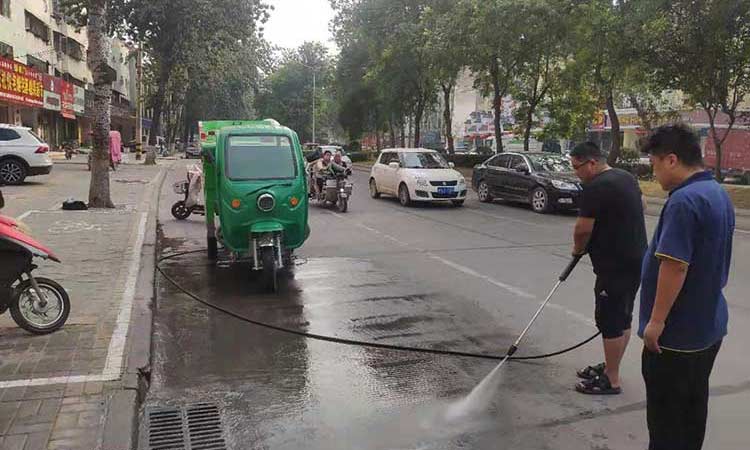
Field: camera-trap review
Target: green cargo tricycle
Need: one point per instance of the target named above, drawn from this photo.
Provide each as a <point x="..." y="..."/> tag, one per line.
<point x="255" y="184"/>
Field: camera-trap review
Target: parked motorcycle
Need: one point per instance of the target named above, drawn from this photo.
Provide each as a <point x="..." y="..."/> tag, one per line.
<point x="38" y="305"/>
<point x="192" y="189"/>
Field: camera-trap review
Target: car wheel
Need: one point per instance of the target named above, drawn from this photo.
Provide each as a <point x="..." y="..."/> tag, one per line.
<point x="483" y="192"/>
<point x="374" y="189"/>
<point x="12" y="171"/>
<point x="540" y="200"/>
<point x="403" y="195"/>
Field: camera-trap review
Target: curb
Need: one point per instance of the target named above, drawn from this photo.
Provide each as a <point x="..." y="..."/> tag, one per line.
<point x="739" y="212"/>
<point x="121" y="411"/>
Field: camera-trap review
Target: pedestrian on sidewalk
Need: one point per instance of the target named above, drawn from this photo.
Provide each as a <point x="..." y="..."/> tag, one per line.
<point x="612" y="230"/>
<point x="683" y="314"/>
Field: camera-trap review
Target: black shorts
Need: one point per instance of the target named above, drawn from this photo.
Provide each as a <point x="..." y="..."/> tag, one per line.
<point x="615" y="297"/>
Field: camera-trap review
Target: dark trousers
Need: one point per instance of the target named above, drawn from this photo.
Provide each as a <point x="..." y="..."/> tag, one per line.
<point x="677" y="397"/>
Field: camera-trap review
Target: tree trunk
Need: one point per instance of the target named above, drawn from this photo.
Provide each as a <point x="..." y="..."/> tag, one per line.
<point x="497" y="104"/>
<point x="392" y="131"/>
<point x="717" y="142"/>
<point x="418" y="122"/>
<point x="100" y="49"/>
<point x="447" y="117"/>
<point x="157" y="104"/>
<point x="186" y="122"/>
<point x="409" y="136"/>
<point x="643" y="115"/>
<point x="402" y="125"/>
<point x="377" y="140"/>
<point x="527" y="126"/>
<point x="614" y="151"/>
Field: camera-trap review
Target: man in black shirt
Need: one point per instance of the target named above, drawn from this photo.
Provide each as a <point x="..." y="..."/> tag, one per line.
<point x="611" y="229"/>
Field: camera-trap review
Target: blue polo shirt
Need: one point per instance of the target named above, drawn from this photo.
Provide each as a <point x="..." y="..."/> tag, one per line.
<point x="695" y="227"/>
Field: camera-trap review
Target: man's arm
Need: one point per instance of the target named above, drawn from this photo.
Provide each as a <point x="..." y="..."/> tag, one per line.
<point x="582" y="234"/>
<point x="672" y="273"/>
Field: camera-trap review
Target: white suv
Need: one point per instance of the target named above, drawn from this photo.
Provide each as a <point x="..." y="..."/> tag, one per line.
<point x="22" y="154"/>
<point x="416" y="175"/>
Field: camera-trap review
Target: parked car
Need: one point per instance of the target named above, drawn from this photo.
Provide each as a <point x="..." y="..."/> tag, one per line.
<point x="544" y="180"/>
<point x="22" y="154"/>
<point x="416" y="175"/>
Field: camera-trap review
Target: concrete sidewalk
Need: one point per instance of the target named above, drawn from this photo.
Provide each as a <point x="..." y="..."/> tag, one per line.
<point x="77" y="389"/>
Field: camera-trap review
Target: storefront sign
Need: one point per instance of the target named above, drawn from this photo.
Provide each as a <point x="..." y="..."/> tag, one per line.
<point x="68" y="100"/>
<point x="52" y="89"/>
<point x="79" y="94"/>
<point x="20" y="84"/>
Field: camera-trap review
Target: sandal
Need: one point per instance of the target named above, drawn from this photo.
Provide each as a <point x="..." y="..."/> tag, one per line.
<point x="597" y="386"/>
<point x="591" y="372"/>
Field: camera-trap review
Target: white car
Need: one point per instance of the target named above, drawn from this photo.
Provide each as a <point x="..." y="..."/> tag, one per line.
<point x="22" y="154"/>
<point x="416" y="175"/>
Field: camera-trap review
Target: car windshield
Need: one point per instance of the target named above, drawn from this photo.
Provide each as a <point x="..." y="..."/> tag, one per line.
<point x="551" y="163"/>
<point x="425" y="160"/>
<point x="260" y="157"/>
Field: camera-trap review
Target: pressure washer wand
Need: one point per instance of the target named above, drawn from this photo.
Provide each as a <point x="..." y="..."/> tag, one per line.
<point x="563" y="276"/>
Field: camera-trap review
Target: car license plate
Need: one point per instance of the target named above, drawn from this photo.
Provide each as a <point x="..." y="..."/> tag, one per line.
<point x="445" y="190"/>
<point x="566" y="200"/>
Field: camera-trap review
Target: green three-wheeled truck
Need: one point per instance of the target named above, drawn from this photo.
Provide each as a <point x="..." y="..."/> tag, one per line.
<point x="256" y="193"/>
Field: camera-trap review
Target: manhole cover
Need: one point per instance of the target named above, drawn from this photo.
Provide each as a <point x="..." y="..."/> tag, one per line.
<point x="193" y="427"/>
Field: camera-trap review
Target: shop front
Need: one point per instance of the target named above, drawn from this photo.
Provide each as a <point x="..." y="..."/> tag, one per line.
<point x="21" y="94"/>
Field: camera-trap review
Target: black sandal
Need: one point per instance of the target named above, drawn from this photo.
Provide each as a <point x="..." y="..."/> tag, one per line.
<point x="597" y="386"/>
<point x="591" y="372"/>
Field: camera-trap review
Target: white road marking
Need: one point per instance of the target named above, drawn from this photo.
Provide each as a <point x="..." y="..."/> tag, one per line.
<point x="510" y="288"/>
<point x="57" y="380"/>
<point x="116" y="350"/>
<point x="26" y="214"/>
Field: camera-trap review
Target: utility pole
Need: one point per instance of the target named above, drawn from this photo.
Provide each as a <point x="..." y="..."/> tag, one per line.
<point x="313" y="101"/>
<point x="139" y="103"/>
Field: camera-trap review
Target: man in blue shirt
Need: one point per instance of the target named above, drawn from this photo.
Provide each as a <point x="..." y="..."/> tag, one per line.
<point x="683" y="313"/>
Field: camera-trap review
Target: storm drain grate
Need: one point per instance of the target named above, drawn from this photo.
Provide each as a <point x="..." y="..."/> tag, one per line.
<point x="194" y="427"/>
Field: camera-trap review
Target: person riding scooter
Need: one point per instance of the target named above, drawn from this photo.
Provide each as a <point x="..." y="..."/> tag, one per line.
<point x="323" y="168"/>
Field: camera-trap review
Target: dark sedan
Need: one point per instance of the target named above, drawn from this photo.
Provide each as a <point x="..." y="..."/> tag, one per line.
<point x="544" y="180"/>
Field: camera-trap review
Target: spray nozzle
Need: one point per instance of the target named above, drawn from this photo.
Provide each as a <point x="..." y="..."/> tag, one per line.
<point x="511" y="350"/>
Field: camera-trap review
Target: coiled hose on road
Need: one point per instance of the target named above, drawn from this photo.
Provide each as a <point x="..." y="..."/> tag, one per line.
<point x="337" y="340"/>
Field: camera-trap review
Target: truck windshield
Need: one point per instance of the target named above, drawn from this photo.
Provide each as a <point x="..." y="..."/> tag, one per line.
<point x="259" y="158"/>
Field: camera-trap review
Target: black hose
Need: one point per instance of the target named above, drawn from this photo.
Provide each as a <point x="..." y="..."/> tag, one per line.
<point x="338" y="340"/>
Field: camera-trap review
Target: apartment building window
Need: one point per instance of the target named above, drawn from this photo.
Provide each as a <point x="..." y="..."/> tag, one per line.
<point x="38" y="64"/>
<point x="74" y="49"/>
<point x="58" y="40"/>
<point x="5" y="8"/>
<point x="37" y="27"/>
<point x="6" y="51"/>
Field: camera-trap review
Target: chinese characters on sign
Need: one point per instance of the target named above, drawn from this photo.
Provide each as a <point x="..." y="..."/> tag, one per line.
<point x="68" y="100"/>
<point x="20" y="84"/>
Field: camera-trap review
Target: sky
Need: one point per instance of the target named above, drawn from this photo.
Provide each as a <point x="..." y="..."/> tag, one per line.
<point x="293" y="22"/>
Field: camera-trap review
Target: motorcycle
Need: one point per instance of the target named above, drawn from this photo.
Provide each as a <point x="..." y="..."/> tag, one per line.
<point x="38" y="305"/>
<point x="192" y="189"/>
<point x="70" y="148"/>
<point x="337" y="190"/>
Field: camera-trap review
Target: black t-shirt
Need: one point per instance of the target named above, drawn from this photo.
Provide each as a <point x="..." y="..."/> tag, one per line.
<point x="618" y="241"/>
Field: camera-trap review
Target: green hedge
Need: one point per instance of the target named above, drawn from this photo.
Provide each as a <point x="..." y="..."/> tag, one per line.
<point x="639" y="170"/>
<point x="360" y="156"/>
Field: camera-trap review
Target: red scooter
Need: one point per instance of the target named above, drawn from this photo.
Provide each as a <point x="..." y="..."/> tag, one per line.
<point x="38" y="305"/>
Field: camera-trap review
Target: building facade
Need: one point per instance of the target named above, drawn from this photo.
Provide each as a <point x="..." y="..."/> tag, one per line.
<point x="39" y="48"/>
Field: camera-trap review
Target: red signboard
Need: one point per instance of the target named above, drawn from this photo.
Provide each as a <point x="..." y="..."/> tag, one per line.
<point x="20" y="84"/>
<point x="68" y="100"/>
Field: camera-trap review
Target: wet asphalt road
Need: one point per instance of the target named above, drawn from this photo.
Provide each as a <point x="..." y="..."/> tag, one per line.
<point x="436" y="276"/>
